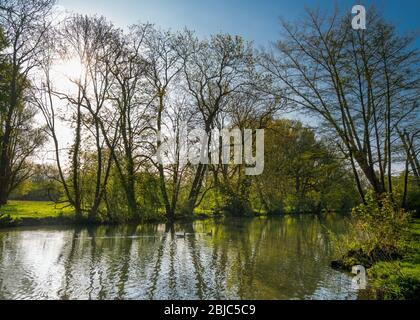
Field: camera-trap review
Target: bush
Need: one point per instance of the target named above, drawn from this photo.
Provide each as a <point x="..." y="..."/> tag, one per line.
<point x="378" y="231"/>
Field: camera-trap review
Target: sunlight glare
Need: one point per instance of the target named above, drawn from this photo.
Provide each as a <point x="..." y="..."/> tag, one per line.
<point x="71" y="69"/>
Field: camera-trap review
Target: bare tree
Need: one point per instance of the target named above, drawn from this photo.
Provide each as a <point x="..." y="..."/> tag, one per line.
<point x="128" y="68"/>
<point x="164" y="68"/>
<point x="213" y="70"/>
<point x="88" y="41"/>
<point x="361" y="84"/>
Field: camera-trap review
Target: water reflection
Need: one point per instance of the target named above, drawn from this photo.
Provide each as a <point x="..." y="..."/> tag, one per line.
<point x="278" y="258"/>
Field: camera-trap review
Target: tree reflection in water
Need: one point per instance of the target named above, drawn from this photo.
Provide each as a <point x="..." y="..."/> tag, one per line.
<point x="276" y="258"/>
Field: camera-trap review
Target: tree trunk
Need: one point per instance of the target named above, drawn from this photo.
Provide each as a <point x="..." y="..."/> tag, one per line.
<point x="76" y="166"/>
<point x="5" y="165"/>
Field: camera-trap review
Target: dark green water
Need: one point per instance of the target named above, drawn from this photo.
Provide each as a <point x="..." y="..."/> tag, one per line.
<point x="276" y="258"/>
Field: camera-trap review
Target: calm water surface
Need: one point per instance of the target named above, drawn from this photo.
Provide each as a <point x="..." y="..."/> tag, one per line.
<point x="276" y="258"/>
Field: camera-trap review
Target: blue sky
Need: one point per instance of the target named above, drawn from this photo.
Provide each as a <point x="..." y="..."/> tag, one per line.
<point x="255" y="20"/>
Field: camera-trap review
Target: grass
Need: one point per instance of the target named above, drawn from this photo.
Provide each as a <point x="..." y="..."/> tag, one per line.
<point x="400" y="279"/>
<point x="22" y="211"/>
<point x="30" y="213"/>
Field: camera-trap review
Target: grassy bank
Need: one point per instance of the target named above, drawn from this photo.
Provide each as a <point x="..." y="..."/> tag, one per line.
<point x="400" y="279"/>
<point x="385" y="239"/>
<point x="34" y="213"/>
<point x="35" y="210"/>
<point x="25" y="213"/>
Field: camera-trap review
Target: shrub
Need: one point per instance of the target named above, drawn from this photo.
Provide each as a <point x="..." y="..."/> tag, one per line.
<point x="378" y="231"/>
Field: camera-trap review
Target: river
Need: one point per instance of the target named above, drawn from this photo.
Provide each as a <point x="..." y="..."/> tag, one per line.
<point x="263" y="258"/>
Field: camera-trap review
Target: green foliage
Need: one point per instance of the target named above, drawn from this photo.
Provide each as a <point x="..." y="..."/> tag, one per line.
<point x="377" y="231"/>
<point x="302" y="174"/>
<point x="116" y="200"/>
<point x="383" y="226"/>
<point x="149" y="200"/>
<point x="237" y="205"/>
<point x="383" y="238"/>
<point x="413" y="192"/>
<point x="393" y="281"/>
<point x="40" y="187"/>
<point x="413" y="199"/>
<point x="399" y="279"/>
<point x="35" y="210"/>
<point x="20" y="134"/>
<point x="6" y="220"/>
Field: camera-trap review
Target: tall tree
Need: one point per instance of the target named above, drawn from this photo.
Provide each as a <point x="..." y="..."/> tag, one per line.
<point x="360" y="84"/>
<point x="24" y="23"/>
<point x="214" y="70"/>
<point x="127" y="69"/>
<point x="165" y="66"/>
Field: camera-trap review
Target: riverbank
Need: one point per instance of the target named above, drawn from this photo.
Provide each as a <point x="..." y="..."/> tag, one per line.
<point x="400" y="279"/>
<point x="43" y="213"/>
<point x="33" y="213"/>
